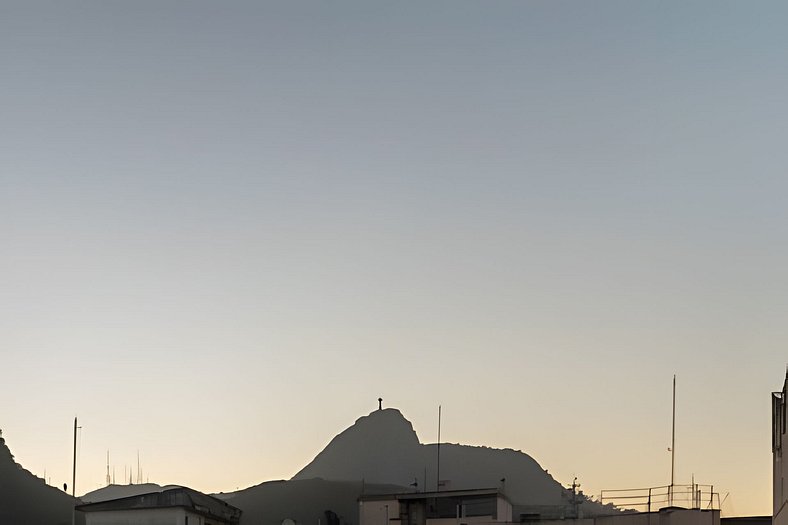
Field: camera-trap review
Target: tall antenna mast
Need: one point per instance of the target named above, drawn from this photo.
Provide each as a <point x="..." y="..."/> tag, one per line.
<point x="109" y="480"/>
<point x="438" y="476"/>
<point x="74" y="464"/>
<point x="673" y="443"/>
<point x="74" y="476"/>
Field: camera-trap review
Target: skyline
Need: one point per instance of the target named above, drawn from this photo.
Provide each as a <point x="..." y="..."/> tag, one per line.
<point x="138" y="467"/>
<point x="228" y="229"/>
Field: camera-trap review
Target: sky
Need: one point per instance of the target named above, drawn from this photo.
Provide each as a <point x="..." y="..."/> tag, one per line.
<point x="227" y="228"/>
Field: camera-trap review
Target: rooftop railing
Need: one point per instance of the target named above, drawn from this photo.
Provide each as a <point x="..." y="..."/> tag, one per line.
<point x="694" y="496"/>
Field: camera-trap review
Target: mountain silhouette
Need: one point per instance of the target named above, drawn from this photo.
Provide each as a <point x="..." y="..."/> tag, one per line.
<point x="383" y="448"/>
<point x="380" y="448"/>
<point x="379" y="454"/>
<point x="27" y="500"/>
<point x="304" y="501"/>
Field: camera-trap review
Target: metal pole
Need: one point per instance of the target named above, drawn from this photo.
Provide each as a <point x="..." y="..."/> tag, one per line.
<point x="438" y="480"/>
<point x="74" y="476"/>
<point x="673" y="444"/>
<point x="74" y="470"/>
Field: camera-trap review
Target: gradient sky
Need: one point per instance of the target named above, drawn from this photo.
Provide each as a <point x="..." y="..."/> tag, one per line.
<point x="226" y="228"/>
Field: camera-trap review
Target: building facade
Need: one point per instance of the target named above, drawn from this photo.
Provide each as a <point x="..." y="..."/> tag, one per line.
<point x="451" y="507"/>
<point x="779" y="472"/>
<point x="178" y="506"/>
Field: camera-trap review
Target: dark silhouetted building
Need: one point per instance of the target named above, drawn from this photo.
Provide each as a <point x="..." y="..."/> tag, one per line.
<point x="779" y="495"/>
<point x="178" y="506"/>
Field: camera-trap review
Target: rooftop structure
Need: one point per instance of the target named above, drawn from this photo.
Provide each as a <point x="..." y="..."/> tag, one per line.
<point x="177" y="506"/>
<point x="779" y="494"/>
<point x="451" y="507"/>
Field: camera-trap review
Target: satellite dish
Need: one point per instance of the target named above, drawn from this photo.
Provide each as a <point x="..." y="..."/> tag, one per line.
<point x="288" y="521"/>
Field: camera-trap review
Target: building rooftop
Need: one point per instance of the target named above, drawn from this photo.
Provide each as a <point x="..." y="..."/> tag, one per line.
<point x="184" y="497"/>
<point x="440" y="494"/>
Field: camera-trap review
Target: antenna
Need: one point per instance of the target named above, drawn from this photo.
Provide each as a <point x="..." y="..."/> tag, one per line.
<point x="109" y="480"/>
<point x="575" y="499"/>
<point x="380" y="403"/>
<point x="74" y="475"/>
<point x="673" y="444"/>
<point x="438" y="477"/>
<point x="74" y="465"/>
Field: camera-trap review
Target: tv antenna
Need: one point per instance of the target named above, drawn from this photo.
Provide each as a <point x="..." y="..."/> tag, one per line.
<point x="74" y="475"/>
<point x="673" y="446"/>
<point x="438" y="474"/>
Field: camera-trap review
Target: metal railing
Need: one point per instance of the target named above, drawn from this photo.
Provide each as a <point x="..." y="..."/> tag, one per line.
<point x="695" y="496"/>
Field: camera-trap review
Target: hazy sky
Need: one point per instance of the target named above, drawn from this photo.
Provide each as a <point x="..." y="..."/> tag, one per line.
<point x="226" y="228"/>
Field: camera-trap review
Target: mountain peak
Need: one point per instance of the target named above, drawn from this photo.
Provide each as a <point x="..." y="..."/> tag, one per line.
<point x="382" y="447"/>
<point x="382" y="436"/>
<point x="388" y="421"/>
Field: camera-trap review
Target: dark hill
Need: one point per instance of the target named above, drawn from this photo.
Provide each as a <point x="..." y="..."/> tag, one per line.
<point x="26" y="500"/>
<point x="379" y="448"/>
<point x="304" y="501"/>
<point x="383" y="448"/>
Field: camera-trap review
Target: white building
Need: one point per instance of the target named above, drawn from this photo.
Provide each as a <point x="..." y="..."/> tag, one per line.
<point x="178" y="506"/>
<point x="491" y="507"/>
<point x="664" y="516"/>
<point x="451" y="507"/>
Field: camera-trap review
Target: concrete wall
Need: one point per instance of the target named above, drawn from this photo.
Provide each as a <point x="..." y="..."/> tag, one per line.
<point x="374" y="512"/>
<point x="645" y="518"/>
<point x="581" y="521"/>
<point x="668" y="516"/>
<point x="689" y="517"/>
<point x="504" y="510"/>
<point x="137" y="517"/>
<point x="171" y="516"/>
<point x="470" y="520"/>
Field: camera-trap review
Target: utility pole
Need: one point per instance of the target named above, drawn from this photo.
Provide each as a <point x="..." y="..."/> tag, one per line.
<point x="74" y="464"/>
<point x="74" y="477"/>
<point x="438" y="480"/>
<point x="673" y="444"/>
